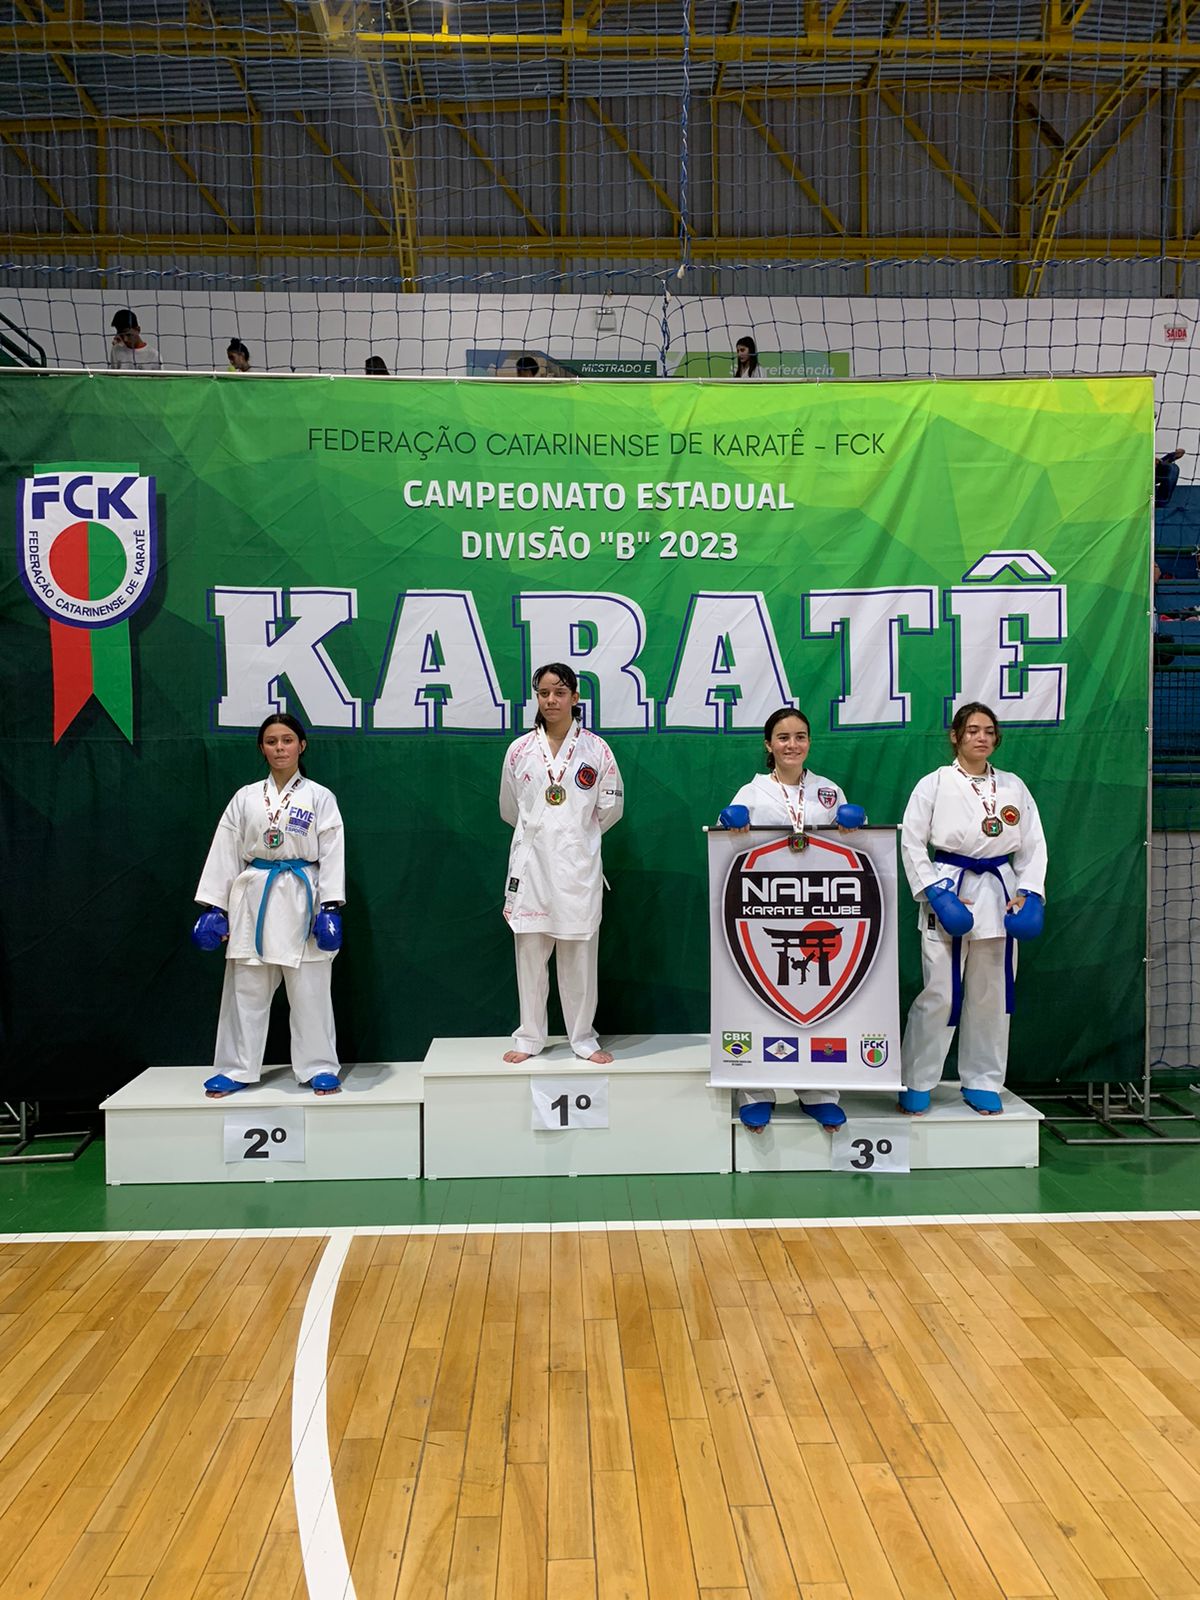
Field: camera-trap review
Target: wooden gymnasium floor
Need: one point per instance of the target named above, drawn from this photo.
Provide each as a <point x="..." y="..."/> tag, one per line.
<point x="621" y="1410"/>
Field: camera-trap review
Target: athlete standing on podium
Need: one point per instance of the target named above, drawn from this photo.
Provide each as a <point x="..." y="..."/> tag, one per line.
<point x="789" y="796"/>
<point x="560" y="790"/>
<point x="272" y="889"/>
<point x="984" y="889"/>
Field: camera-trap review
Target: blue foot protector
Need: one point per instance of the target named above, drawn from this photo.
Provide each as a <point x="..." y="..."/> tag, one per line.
<point x="217" y="1088"/>
<point x="914" y="1102"/>
<point x="985" y="1101"/>
<point x="325" y="1083"/>
<point x="826" y="1113"/>
<point x="757" y="1114"/>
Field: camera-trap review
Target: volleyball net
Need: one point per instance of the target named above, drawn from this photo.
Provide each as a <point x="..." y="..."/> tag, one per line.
<point x="853" y="188"/>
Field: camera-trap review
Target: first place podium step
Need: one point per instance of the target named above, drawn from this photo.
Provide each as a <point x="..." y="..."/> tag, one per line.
<point x="162" y="1128"/>
<point x="662" y="1115"/>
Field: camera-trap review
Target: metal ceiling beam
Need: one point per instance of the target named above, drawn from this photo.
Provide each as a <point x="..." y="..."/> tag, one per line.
<point x="779" y="249"/>
<point x="1053" y="190"/>
<point x="184" y="41"/>
<point x="497" y="177"/>
<point x="636" y="162"/>
<point x="44" y="184"/>
<point x="791" y="166"/>
<point x="939" y="160"/>
<point x="317" y="138"/>
<point x="193" y="178"/>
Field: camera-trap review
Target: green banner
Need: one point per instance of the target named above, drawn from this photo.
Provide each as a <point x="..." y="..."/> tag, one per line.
<point x="390" y="561"/>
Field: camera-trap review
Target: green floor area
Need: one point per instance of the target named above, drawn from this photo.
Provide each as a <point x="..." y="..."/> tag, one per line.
<point x="74" y="1198"/>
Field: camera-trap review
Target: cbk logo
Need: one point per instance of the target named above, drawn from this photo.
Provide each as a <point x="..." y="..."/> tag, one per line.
<point x="87" y="551"/>
<point x="803" y="938"/>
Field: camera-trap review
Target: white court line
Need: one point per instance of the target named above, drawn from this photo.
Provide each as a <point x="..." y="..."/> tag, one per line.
<point x="326" y="1568"/>
<point x="979" y="1219"/>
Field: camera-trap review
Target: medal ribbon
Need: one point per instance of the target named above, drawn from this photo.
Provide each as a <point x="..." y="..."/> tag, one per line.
<point x="797" y="821"/>
<point x="544" y="747"/>
<point x="988" y="804"/>
<point x="285" y="800"/>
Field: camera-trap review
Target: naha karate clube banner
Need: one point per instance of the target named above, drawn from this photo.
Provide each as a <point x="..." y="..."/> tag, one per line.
<point x="391" y="559"/>
<point x="803" y="943"/>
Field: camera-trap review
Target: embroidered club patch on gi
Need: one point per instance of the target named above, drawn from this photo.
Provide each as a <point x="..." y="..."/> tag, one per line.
<point x="828" y="798"/>
<point x="1010" y="814"/>
<point x="585" y="777"/>
<point x="513" y="885"/>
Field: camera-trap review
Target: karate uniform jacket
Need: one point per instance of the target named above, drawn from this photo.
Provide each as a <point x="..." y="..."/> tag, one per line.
<point x="555" y="880"/>
<point x="945" y="812"/>
<point x="764" y="800"/>
<point x="312" y="831"/>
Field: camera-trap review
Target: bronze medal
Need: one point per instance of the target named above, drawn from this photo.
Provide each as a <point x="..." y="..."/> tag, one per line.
<point x="991" y="827"/>
<point x="797" y="842"/>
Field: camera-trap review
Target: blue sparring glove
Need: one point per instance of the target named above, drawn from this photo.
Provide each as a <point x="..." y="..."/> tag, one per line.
<point x="955" y="917"/>
<point x="849" y="816"/>
<point x="735" y="817"/>
<point x="327" y="929"/>
<point x="1027" y="922"/>
<point x="211" y="927"/>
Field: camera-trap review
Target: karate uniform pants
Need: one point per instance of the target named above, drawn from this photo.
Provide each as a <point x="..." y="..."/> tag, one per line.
<point x="806" y="1097"/>
<point x="576" y="961"/>
<point x="982" y="1029"/>
<point x="246" y="1011"/>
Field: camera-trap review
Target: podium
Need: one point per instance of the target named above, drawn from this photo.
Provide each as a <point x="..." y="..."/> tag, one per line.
<point x="663" y="1114"/>
<point x="161" y="1128"/>
<point x="950" y="1136"/>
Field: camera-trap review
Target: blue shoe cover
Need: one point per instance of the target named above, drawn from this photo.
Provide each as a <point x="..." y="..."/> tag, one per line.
<point x="826" y="1113"/>
<point x="325" y="1083"/>
<point x="985" y="1101"/>
<point x="757" y="1114"/>
<point x="216" y="1087"/>
<point x="914" y="1101"/>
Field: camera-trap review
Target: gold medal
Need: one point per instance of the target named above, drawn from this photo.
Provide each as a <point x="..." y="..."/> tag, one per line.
<point x="556" y="794"/>
<point x="797" y="842"/>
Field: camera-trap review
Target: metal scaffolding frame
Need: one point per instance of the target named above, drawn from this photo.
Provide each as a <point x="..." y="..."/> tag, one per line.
<point x="873" y="55"/>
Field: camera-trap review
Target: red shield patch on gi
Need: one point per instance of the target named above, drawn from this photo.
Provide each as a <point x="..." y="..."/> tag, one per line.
<point x="828" y="798"/>
<point x="585" y="777"/>
<point x="803" y="931"/>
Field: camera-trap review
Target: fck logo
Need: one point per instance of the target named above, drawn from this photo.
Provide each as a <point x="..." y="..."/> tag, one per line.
<point x="87" y="553"/>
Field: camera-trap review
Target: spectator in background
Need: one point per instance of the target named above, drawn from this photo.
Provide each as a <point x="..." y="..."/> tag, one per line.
<point x="527" y="367"/>
<point x="746" y="359"/>
<point x="1166" y="476"/>
<point x="239" y="356"/>
<point x="128" y="351"/>
<point x="376" y="367"/>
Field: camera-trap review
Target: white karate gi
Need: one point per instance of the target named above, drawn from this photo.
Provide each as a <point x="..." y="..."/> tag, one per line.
<point x="555" y="879"/>
<point x="764" y="798"/>
<point x="944" y="812"/>
<point x="312" y="832"/>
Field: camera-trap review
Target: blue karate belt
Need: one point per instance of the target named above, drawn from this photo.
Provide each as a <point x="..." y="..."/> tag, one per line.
<point x="273" y="870"/>
<point x="978" y="865"/>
